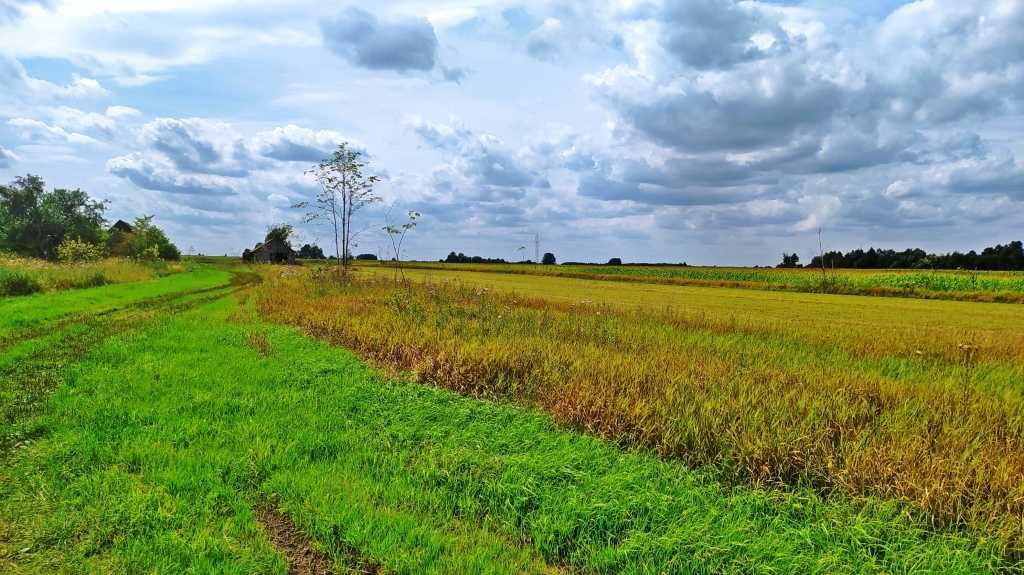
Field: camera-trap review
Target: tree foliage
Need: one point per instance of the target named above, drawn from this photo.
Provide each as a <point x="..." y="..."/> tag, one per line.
<point x="548" y="259"/>
<point x="73" y="250"/>
<point x="789" y="261"/>
<point x="311" y="252"/>
<point x="344" y="190"/>
<point x="144" y="242"/>
<point x="34" y="222"/>
<point x="999" y="257"/>
<point x="279" y="232"/>
<point x="461" y="258"/>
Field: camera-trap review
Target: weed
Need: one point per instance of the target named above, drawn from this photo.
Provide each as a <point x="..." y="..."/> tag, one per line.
<point x="18" y="283"/>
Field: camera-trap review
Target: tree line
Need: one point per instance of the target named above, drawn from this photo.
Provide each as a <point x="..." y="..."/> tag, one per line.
<point x="461" y="258"/>
<point x="998" y="258"/>
<point x="69" y="225"/>
<point x="1009" y="257"/>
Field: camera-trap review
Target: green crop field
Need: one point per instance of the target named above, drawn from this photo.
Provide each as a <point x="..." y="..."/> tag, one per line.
<point x="455" y="419"/>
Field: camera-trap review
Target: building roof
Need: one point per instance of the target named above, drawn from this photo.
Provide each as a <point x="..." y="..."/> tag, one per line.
<point x="123" y="226"/>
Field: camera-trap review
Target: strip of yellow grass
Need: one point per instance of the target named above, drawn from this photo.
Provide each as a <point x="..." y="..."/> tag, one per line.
<point x="60" y="276"/>
<point x="876" y="326"/>
<point x="987" y="286"/>
<point x="775" y="405"/>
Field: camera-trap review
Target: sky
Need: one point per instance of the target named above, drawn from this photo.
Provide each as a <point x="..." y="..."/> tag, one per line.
<point x="707" y="131"/>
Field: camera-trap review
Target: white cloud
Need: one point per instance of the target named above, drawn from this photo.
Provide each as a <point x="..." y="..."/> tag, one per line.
<point x="7" y="158"/>
<point x="294" y="144"/>
<point x="37" y="131"/>
<point x="689" y="118"/>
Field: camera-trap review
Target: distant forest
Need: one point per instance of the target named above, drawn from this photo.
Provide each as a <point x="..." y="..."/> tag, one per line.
<point x="1000" y="257"/>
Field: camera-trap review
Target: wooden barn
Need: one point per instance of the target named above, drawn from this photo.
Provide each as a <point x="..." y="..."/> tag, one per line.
<point x="272" y="252"/>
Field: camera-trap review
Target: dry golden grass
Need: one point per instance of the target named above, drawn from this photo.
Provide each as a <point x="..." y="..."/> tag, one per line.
<point x="966" y="285"/>
<point x="49" y="276"/>
<point x="767" y="403"/>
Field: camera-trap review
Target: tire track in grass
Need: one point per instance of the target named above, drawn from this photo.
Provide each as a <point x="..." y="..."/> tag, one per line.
<point x="25" y="381"/>
<point x="303" y="558"/>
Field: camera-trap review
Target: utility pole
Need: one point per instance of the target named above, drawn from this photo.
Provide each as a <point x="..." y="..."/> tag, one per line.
<point x="536" y="248"/>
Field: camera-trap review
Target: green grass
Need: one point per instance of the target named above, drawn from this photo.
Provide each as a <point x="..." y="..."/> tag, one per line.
<point x="31" y="311"/>
<point x="163" y="440"/>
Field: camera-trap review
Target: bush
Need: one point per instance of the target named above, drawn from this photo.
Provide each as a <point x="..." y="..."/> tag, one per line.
<point x="18" y="283"/>
<point x="615" y="262"/>
<point x="75" y="250"/>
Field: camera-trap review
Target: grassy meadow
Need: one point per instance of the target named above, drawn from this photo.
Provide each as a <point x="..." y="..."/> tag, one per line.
<point x="264" y="419"/>
<point x="936" y="284"/>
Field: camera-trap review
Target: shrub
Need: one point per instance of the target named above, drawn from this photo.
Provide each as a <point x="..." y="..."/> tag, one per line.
<point x="75" y="250"/>
<point x="18" y="283"/>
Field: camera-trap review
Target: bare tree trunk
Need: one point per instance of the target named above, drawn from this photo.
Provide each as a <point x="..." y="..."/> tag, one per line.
<point x="345" y="200"/>
<point x="334" y="221"/>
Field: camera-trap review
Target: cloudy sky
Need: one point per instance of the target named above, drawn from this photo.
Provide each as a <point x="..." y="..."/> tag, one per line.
<point x="705" y="131"/>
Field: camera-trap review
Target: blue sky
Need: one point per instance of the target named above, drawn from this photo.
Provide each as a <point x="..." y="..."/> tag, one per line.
<point x="705" y="131"/>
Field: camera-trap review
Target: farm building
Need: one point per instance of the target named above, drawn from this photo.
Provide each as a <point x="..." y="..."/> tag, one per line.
<point x="122" y="227"/>
<point x="273" y="252"/>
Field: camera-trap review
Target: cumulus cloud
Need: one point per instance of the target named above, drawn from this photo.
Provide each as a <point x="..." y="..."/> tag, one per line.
<point x="7" y="158"/>
<point x="997" y="173"/>
<point x="211" y="167"/>
<point x="198" y="145"/>
<point x="543" y="42"/>
<point x="437" y="135"/>
<point x="21" y="87"/>
<point x="708" y="34"/>
<point x="568" y="28"/>
<point x="734" y="105"/>
<point x="945" y="60"/>
<point x="151" y="173"/>
<point x="13" y="10"/>
<point x="38" y="131"/>
<point x="294" y="144"/>
<point x="758" y="106"/>
<point x="454" y="74"/>
<point x="481" y="160"/>
<point x="364" y="40"/>
<point x="603" y="187"/>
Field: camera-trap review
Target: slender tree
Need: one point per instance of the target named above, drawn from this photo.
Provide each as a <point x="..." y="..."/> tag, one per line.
<point x="344" y="190"/>
<point x="397" y="234"/>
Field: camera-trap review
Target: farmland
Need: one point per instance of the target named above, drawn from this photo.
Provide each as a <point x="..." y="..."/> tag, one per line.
<point x="941" y="284"/>
<point x="455" y="421"/>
